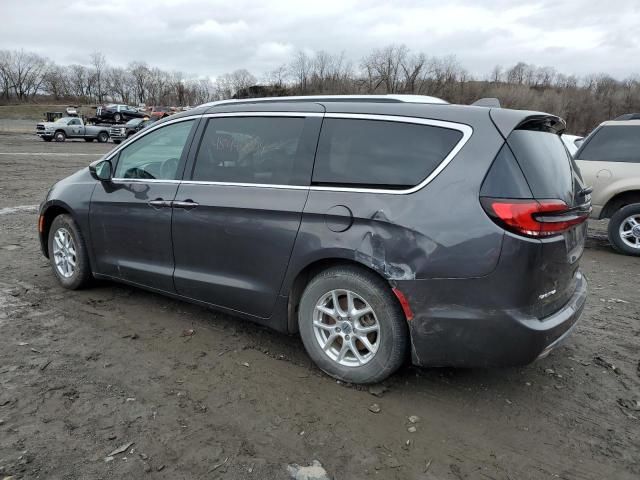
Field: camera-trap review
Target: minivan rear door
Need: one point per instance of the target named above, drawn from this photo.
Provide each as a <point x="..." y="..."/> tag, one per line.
<point x="238" y="210"/>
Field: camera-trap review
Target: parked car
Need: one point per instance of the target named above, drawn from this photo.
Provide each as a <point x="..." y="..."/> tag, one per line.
<point x="572" y="142"/>
<point x="120" y="133"/>
<point x="117" y="113"/>
<point x="610" y="161"/>
<point x="71" y="127"/>
<point x="160" y="112"/>
<point x="375" y="227"/>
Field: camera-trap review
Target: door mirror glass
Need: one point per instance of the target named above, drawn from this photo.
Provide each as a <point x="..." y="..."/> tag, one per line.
<point x="101" y="170"/>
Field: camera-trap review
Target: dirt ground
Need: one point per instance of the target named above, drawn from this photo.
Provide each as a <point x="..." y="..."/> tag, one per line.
<point x="83" y="373"/>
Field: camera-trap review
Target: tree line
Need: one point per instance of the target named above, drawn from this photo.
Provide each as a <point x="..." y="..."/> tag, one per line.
<point x="582" y="101"/>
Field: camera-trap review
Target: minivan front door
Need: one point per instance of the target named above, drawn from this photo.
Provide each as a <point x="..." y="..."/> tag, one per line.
<point x="130" y="217"/>
<point x="236" y="220"/>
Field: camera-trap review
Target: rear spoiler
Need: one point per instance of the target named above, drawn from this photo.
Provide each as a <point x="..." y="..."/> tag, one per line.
<point x="507" y="120"/>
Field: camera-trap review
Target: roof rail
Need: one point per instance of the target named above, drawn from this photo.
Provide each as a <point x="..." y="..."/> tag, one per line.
<point x="487" y="102"/>
<point x="629" y="116"/>
<point x="392" y="98"/>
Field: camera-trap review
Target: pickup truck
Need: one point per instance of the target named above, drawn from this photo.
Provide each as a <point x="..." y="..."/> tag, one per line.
<point x="119" y="133"/>
<point x="71" y="127"/>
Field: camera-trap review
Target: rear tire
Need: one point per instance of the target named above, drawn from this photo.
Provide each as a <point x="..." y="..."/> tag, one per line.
<point x="68" y="253"/>
<point x="624" y="230"/>
<point x="117" y="118"/>
<point x="60" y="136"/>
<point x="103" y="137"/>
<point x="370" y="354"/>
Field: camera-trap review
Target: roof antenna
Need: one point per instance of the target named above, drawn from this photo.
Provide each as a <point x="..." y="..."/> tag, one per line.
<point x="487" y="102"/>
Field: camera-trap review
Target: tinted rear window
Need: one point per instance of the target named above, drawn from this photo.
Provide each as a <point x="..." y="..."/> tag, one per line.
<point x="253" y="150"/>
<point x="613" y="144"/>
<point x="545" y="163"/>
<point x="380" y="153"/>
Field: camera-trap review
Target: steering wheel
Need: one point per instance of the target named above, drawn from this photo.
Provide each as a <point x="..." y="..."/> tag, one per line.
<point x="169" y="168"/>
<point x="136" y="172"/>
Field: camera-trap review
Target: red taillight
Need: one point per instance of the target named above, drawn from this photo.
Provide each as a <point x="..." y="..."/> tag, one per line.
<point x="533" y="218"/>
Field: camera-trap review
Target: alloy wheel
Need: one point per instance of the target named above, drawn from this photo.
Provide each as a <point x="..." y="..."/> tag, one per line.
<point x="630" y="231"/>
<point x="346" y="328"/>
<point x="64" y="253"/>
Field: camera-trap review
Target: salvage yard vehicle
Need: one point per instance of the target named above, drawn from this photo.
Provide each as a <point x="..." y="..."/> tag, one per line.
<point x="71" y="127"/>
<point x="117" y="113"/>
<point x="376" y="227"/>
<point x="119" y="133"/>
<point x="610" y="161"/>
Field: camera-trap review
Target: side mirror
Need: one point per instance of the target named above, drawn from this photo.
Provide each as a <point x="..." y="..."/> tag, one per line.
<point x="101" y="170"/>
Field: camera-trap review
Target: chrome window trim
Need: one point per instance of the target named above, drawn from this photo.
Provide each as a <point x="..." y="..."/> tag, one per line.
<point x="466" y="131"/>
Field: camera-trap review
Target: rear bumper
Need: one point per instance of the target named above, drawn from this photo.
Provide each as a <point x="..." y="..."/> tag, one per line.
<point x="459" y="336"/>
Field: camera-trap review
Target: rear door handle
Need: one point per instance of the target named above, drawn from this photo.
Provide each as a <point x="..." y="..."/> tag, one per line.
<point x="159" y="203"/>
<point x="186" y="204"/>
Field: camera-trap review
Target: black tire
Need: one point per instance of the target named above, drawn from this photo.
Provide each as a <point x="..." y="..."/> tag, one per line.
<point x="614" y="229"/>
<point x="117" y="118"/>
<point x="393" y="333"/>
<point x="88" y="140"/>
<point x="103" y="137"/>
<point x="59" y="136"/>
<point x="81" y="276"/>
<point x="116" y="141"/>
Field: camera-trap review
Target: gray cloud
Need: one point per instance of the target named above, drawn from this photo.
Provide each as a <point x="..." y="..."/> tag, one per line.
<point x="205" y="37"/>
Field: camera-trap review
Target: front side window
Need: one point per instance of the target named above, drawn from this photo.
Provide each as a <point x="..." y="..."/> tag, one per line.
<point x="376" y="153"/>
<point x="155" y="156"/>
<point x="614" y="143"/>
<point x="261" y="150"/>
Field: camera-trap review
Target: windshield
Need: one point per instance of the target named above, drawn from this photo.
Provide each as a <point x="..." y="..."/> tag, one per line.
<point x="63" y="120"/>
<point x="134" y="122"/>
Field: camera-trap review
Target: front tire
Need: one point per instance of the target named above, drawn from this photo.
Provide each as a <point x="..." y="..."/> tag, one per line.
<point x="60" y="136"/>
<point x="68" y="253"/>
<point x="352" y="325"/>
<point x="117" y="118"/>
<point x="103" y="137"/>
<point x="624" y="230"/>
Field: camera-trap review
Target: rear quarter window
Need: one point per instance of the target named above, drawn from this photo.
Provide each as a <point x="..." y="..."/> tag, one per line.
<point x="545" y="162"/>
<point x="377" y="153"/>
<point x="619" y="143"/>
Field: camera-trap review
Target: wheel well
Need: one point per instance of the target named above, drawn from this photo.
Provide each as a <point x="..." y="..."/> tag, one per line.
<point x="619" y="201"/>
<point x="306" y="274"/>
<point x="51" y="213"/>
<point x="59" y="131"/>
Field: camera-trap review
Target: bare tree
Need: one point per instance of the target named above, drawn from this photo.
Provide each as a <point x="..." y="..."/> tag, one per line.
<point x="99" y="63"/>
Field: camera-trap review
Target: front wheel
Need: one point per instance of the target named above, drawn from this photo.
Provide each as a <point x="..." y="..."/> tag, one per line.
<point x="624" y="230"/>
<point x="103" y="137"/>
<point x="68" y="253"/>
<point x="60" y="136"/>
<point x="117" y="118"/>
<point x="352" y="325"/>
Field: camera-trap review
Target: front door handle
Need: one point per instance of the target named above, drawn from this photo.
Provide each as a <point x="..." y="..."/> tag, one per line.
<point x="186" y="204"/>
<point x="159" y="203"/>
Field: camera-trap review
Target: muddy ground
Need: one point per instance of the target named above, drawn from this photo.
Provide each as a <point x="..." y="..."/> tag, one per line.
<point x="83" y="373"/>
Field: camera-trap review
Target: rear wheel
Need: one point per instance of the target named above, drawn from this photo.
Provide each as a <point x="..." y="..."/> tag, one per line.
<point x="117" y="118"/>
<point x="103" y="137"/>
<point x="60" y="136"/>
<point x="352" y="325"/>
<point x="624" y="230"/>
<point x="68" y="253"/>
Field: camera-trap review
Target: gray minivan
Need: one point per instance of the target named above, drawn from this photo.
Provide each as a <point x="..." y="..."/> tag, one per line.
<point x="377" y="227"/>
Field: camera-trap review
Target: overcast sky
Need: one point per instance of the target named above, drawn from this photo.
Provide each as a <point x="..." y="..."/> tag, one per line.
<point x="210" y="37"/>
